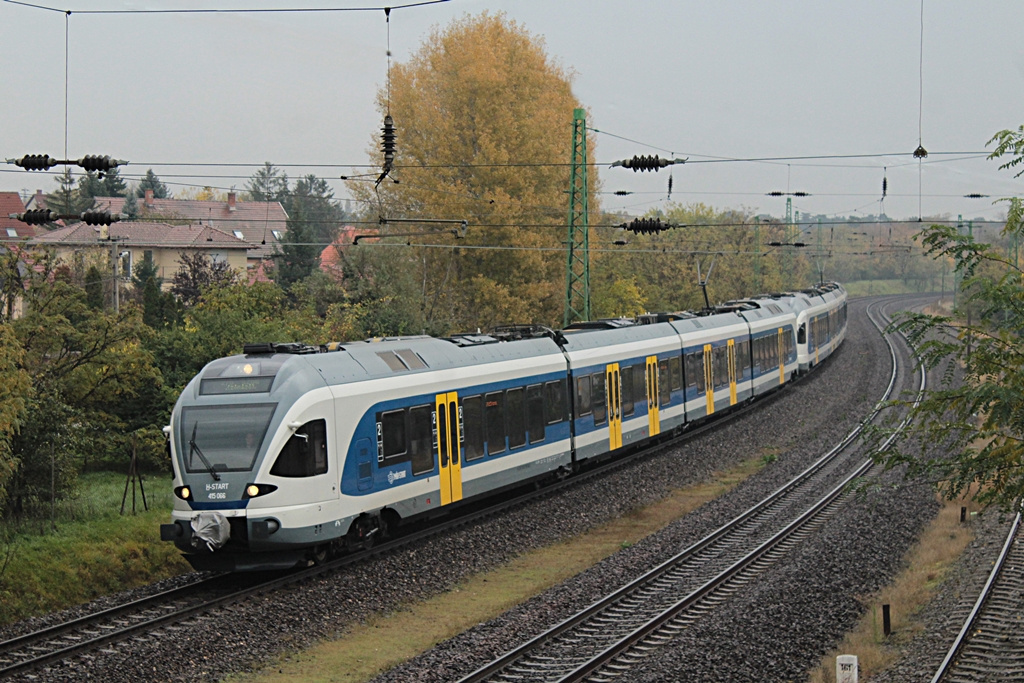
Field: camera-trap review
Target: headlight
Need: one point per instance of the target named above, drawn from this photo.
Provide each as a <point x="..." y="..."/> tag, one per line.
<point x="255" y="490"/>
<point x="183" y="492"/>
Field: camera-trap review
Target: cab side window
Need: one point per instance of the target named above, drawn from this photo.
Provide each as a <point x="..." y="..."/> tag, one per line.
<point x="305" y="453"/>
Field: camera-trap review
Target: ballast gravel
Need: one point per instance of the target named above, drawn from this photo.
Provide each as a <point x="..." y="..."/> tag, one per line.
<point x="774" y="631"/>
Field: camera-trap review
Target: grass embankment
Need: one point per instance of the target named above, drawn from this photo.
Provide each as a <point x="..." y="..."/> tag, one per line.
<point x="382" y="642"/>
<point x="94" y="550"/>
<point x="925" y="565"/>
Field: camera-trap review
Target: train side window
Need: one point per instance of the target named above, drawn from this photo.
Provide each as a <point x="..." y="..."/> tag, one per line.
<point x="516" y="417"/>
<point x="675" y="367"/>
<point x="473" y="426"/>
<point x="664" y="383"/>
<point x="690" y="361"/>
<point x="698" y="363"/>
<point x="597" y="393"/>
<point x="305" y="453"/>
<point x="626" y="375"/>
<point x="421" y="439"/>
<point x="494" y="412"/>
<point x="392" y="433"/>
<point x="555" y="404"/>
<point x="535" y="412"/>
<point x="583" y="406"/>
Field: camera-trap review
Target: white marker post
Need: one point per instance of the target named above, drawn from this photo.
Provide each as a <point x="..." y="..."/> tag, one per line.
<point x="846" y="669"/>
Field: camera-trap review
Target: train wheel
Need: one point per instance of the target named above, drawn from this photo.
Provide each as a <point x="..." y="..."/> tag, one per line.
<point x="319" y="555"/>
<point x="361" y="535"/>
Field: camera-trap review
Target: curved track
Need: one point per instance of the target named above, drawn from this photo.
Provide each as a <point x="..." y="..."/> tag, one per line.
<point x="990" y="646"/>
<point x="603" y="641"/>
<point x="162" y="615"/>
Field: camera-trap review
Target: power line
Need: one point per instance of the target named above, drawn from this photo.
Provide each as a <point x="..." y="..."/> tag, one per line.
<point x="235" y="10"/>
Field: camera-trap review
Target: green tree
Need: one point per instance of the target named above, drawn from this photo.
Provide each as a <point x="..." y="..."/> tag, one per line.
<point x="382" y="294"/>
<point x="484" y="123"/>
<point x="12" y="281"/>
<point x="14" y="397"/>
<point x="225" y="317"/>
<point x="90" y="186"/>
<point x="268" y="184"/>
<point x="159" y="308"/>
<point x="90" y="377"/>
<point x="313" y="199"/>
<point x="131" y="206"/>
<point x="152" y="182"/>
<point x="67" y="200"/>
<point x="196" y="273"/>
<point x="107" y="184"/>
<point x="94" y="295"/>
<point x="313" y="220"/>
<point x="976" y="416"/>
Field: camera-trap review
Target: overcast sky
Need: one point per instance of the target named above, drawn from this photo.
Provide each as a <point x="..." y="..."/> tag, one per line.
<point x="697" y="79"/>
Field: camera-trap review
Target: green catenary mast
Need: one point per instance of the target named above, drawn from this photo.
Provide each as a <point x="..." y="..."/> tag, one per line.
<point x="577" y="269"/>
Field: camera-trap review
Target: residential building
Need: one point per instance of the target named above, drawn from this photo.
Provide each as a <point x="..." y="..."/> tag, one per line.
<point x="260" y="224"/>
<point x="133" y="241"/>
<point x="11" y="229"/>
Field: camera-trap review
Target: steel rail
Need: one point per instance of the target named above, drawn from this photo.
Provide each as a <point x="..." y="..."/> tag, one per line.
<point x="814" y="516"/>
<point x="149" y="624"/>
<point x="962" y="637"/>
<point x="494" y="668"/>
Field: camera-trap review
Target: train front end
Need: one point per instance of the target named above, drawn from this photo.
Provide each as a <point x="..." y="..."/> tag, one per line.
<point x="253" y="477"/>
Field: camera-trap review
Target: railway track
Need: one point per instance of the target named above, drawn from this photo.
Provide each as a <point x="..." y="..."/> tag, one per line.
<point x="103" y="629"/>
<point x="79" y="636"/>
<point x="163" y="614"/>
<point x="603" y="641"/>
<point x="990" y="645"/>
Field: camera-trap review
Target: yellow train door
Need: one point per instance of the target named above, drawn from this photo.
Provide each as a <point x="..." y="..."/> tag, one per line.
<point x="709" y="377"/>
<point x="446" y="423"/>
<point x="614" y="392"/>
<point x="653" y="414"/>
<point x="731" y="358"/>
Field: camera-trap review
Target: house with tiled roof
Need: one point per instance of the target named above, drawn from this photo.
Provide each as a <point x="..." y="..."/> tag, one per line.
<point x="36" y="201"/>
<point x="134" y="241"/>
<point x="260" y="224"/>
<point x="331" y="256"/>
<point x="12" y="229"/>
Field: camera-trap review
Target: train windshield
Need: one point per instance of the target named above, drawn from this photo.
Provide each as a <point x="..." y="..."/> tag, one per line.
<point x="223" y="438"/>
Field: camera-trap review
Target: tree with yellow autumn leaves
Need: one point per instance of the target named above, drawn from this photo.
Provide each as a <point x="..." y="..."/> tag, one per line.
<point x="483" y="120"/>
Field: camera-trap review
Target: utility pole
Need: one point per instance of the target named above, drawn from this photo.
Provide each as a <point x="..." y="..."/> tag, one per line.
<point x="821" y="257"/>
<point x="757" y="254"/>
<point x="787" y="252"/>
<point x="115" y="257"/>
<point x="956" y="262"/>
<point x="577" y="267"/>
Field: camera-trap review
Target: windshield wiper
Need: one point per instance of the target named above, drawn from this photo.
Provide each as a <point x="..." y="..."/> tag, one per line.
<point x="195" y="449"/>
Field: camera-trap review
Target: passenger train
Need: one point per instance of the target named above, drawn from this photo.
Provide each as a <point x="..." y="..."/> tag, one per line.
<point x="289" y="452"/>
